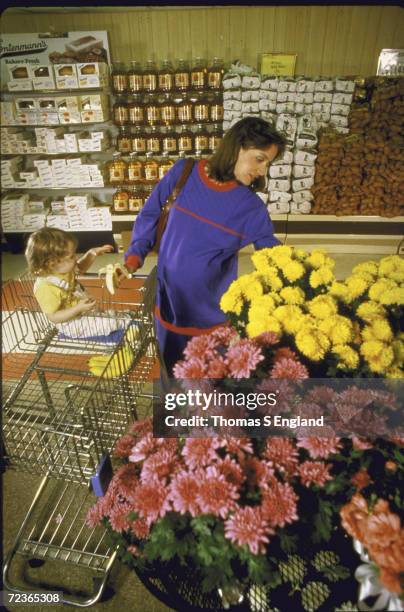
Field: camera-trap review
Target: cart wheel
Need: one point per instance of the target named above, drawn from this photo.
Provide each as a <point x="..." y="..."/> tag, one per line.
<point x="36" y="562"/>
<point x="107" y="593"/>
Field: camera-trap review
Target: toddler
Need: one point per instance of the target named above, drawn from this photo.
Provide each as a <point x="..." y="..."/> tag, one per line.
<point x="51" y="256"/>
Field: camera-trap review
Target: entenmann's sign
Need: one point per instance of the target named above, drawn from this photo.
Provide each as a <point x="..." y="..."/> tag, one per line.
<point x="23" y="49"/>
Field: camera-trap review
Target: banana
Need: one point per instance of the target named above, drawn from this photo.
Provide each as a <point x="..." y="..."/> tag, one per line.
<point x="111" y="275"/>
<point x="103" y="365"/>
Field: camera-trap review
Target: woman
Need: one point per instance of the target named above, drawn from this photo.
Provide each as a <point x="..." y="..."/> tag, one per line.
<point x="216" y="214"/>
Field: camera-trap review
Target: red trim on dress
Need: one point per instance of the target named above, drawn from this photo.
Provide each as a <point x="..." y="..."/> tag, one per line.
<point x="134" y="261"/>
<point x="186" y="331"/>
<point x="205" y="220"/>
<point x="210" y="182"/>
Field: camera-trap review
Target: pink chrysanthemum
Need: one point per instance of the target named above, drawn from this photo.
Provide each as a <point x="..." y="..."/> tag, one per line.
<point x="224" y="335"/>
<point x="118" y="516"/>
<point x="323" y="395"/>
<point x="237" y="446"/>
<point x="279" y="504"/>
<point x="216" y="495"/>
<point x="184" y="489"/>
<point x="217" y="368"/>
<point x="201" y="347"/>
<point x="284" y="390"/>
<point x="284" y="352"/>
<point x="266" y="339"/>
<point x="247" y="527"/>
<point x="283" y="455"/>
<point x="126" y="480"/>
<point x="124" y="445"/>
<point x="290" y="369"/>
<point x="257" y="473"/>
<point x="95" y="514"/>
<point x="145" y="447"/>
<point x="141" y="428"/>
<point x="243" y="358"/>
<point x="198" y="452"/>
<point x="151" y="501"/>
<point x="314" y="472"/>
<point x="140" y="529"/>
<point x="194" y="368"/>
<point x="160" y="465"/>
<point x="320" y="447"/>
<point x="231" y="471"/>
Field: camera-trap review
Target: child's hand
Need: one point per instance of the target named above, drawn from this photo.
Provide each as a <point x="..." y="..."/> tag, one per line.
<point x="85" y="305"/>
<point x="106" y="248"/>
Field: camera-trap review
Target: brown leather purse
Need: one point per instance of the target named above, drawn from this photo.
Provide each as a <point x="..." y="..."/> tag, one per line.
<point x="165" y="209"/>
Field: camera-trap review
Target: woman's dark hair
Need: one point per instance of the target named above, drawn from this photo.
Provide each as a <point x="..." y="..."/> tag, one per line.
<point x="246" y="133"/>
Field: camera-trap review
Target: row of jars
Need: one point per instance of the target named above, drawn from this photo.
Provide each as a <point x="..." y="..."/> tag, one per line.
<point x="165" y="109"/>
<point x="155" y="140"/>
<point x="130" y="200"/>
<point x="151" y="79"/>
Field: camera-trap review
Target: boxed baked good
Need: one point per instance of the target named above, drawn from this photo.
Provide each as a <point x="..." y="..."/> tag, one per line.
<point x="92" y="74"/>
<point x="66" y="76"/>
<point x="83" y="44"/>
<point x="19" y="78"/>
<point x="42" y="76"/>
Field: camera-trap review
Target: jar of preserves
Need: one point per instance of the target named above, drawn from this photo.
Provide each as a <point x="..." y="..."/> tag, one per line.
<point x="116" y="170"/>
<point x="150" y="81"/>
<point x="166" y="76"/>
<point x="138" y="138"/>
<point x="201" y="108"/>
<point x="165" y="164"/>
<point x="151" y="169"/>
<point x="120" y="201"/>
<point x="120" y="112"/>
<point x="184" y="109"/>
<point x="216" y="112"/>
<point x="201" y="139"/>
<point x="124" y="141"/>
<point x="169" y="141"/>
<point x="135" y="78"/>
<point x="153" y="141"/>
<point x="167" y="110"/>
<point x="215" y="73"/>
<point x="119" y="78"/>
<point x="185" y="141"/>
<point x="182" y="76"/>
<point x="198" y="74"/>
<point x="215" y="137"/>
<point x="136" y="110"/>
<point x="136" y="198"/>
<point x="152" y="110"/>
<point x="135" y="169"/>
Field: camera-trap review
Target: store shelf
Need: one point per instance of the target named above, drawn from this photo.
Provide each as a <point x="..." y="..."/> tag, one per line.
<point x="340" y="219"/>
<point x="63" y="154"/>
<point x="55" y="125"/>
<point x="37" y="92"/>
<point x="117" y="218"/>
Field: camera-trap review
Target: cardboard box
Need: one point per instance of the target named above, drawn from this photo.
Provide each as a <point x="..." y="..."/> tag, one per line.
<point x="19" y="78"/>
<point x="42" y="76"/>
<point x="47" y="104"/>
<point x="92" y="74"/>
<point x="65" y="76"/>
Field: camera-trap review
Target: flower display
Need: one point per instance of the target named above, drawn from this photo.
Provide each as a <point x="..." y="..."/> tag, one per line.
<point x="349" y="328"/>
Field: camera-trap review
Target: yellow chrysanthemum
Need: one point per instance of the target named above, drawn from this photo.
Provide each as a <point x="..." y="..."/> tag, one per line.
<point x="370" y="310"/>
<point x="261" y="325"/>
<point x="367" y="267"/>
<point x="348" y="357"/>
<point x="392" y="267"/>
<point x="292" y="295"/>
<point x="398" y="350"/>
<point x="300" y="254"/>
<point x="312" y="342"/>
<point x="322" y="306"/>
<point x="321" y="276"/>
<point x="261" y="259"/>
<point x="379" y="329"/>
<point x="393" y="297"/>
<point x="271" y="281"/>
<point x="261" y="307"/>
<point x="317" y="258"/>
<point x="381" y="287"/>
<point x="232" y="301"/>
<point x="280" y="251"/>
<point x="395" y="372"/>
<point x="339" y="290"/>
<point x="378" y="355"/>
<point x="290" y="316"/>
<point x="356" y="286"/>
<point x="293" y="271"/>
<point x="338" y="329"/>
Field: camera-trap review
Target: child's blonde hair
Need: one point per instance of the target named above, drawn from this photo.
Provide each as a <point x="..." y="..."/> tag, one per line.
<point x="46" y="247"/>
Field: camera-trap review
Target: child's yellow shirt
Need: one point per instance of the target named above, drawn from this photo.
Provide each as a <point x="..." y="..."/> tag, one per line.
<point x="52" y="298"/>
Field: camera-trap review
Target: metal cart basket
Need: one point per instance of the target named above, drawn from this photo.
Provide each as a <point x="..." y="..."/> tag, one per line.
<point x="62" y="415"/>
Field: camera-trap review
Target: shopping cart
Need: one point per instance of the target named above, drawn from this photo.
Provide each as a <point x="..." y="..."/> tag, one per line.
<point x="60" y="420"/>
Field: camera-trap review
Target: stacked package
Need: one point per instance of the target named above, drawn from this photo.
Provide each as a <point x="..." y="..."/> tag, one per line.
<point x="19" y="214"/>
<point x="326" y="181"/>
<point x="48" y="140"/>
<point x="297" y="107"/>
